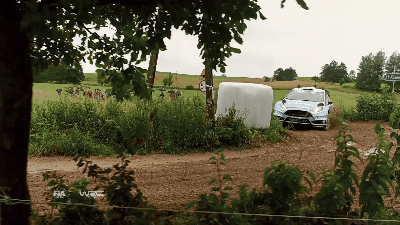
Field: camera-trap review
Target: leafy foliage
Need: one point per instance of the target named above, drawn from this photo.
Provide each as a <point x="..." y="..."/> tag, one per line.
<point x="376" y="176"/>
<point x="231" y="129"/>
<point x="287" y="74"/>
<point x="216" y="203"/>
<point x="73" y="214"/>
<point x="334" y="72"/>
<point x="137" y="30"/>
<point x="86" y="126"/>
<point x="338" y="185"/>
<point x="284" y="187"/>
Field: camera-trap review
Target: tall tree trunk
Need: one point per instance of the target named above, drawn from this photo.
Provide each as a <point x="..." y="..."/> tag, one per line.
<point x="209" y="93"/>
<point x="152" y="68"/>
<point x="15" y="110"/>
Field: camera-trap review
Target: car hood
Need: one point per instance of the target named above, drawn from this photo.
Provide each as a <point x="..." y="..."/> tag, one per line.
<point x="300" y="105"/>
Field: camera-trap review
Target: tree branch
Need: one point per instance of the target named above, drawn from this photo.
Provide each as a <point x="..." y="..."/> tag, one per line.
<point x="100" y="39"/>
<point x="61" y="50"/>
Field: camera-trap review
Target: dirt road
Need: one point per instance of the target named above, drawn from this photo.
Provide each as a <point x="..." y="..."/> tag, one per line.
<point x="172" y="181"/>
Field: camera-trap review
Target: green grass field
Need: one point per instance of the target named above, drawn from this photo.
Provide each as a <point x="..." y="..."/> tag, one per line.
<point x="346" y="93"/>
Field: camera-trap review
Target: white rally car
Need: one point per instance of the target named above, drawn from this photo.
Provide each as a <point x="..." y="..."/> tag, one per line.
<point x="306" y="105"/>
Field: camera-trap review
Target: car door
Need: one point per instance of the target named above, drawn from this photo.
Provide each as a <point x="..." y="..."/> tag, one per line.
<point x="327" y="100"/>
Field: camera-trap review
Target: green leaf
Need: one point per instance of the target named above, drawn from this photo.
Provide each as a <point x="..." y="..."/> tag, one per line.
<point x="312" y="175"/>
<point x="302" y="4"/>
<point x="215" y="189"/>
<point x="237" y="38"/>
<point x="262" y="16"/>
<point x="241" y="27"/>
<point x="236" y="50"/>
<point x="308" y="181"/>
<point x="228" y="188"/>
<point x="51" y="183"/>
<point x="212" y="180"/>
<point x="223" y="163"/>
<point x="227" y="177"/>
<point x="190" y="205"/>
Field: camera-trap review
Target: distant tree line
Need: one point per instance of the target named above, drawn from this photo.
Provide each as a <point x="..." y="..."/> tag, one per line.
<point x="287" y="74"/>
<point x="61" y="74"/>
<point x="371" y="71"/>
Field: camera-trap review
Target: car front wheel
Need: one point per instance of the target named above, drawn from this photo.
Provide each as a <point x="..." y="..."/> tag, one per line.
<point x="327" y="125"/>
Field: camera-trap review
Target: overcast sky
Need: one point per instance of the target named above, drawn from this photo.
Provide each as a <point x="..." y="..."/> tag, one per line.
<point x="305" y="40"/>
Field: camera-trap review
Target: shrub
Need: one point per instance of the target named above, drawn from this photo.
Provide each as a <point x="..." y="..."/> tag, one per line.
<point x="376" y="176"/>
<point x="190" y="87"/>
<point x="315" y="85"/>
<point x="267" y="79"/>
<point x="298" y="86"/>
<point x="338" y="185"/>
<point x="275" y="132"/>
<point x="168" y="81"/>
<point x="348" y="114"/>
<point x="231" y="129"/>
<point x="374" y="106"/>
<point x="284" y="187"/>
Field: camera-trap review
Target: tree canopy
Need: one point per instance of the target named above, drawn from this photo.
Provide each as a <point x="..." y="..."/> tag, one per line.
<point x="36" y="34"/>
<point x="287" y="74"/>
<point x="334" y="72"/>
<point x="371" y="72"/>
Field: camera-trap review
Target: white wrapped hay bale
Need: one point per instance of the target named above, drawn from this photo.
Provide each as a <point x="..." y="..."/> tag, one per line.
<point x="256" y="98"/>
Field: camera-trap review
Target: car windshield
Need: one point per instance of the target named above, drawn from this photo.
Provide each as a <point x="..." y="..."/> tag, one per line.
<point x="306" y="96"/>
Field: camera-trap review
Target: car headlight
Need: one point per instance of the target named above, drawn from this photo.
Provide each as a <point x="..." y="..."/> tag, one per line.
<point x="283" y="107"/>
<point x="317" y="110"/>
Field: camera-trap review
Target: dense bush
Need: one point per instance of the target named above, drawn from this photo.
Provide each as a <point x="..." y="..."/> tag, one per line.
<point x="86" y="126"/>
<point x="190" y="87"/>
<point x="376" y="107"/>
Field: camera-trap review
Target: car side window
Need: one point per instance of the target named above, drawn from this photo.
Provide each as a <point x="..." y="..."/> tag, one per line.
<point x="327" y="98"/>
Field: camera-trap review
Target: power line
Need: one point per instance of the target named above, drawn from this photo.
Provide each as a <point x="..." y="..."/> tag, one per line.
<point x="28" y="202"/>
